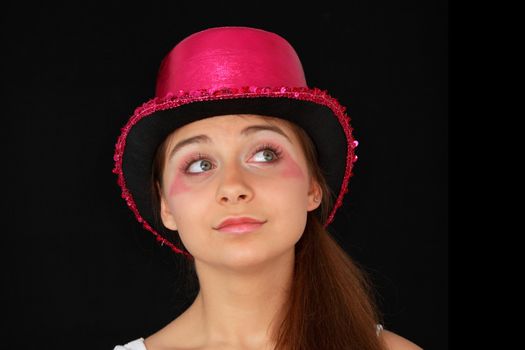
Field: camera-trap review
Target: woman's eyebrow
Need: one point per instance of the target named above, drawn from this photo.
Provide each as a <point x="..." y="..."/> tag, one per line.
<point x="189" y="141"/>
<point x="249" y="130"/>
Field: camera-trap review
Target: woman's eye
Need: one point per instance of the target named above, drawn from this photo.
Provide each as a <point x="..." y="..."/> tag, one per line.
<point x="201" y="164"/>
<point x="266" y="155"/>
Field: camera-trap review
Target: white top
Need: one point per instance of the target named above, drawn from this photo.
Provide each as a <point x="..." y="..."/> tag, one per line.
<point x="138" y="344"/>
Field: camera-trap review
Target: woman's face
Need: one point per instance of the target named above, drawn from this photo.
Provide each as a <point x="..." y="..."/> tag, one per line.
<point x="236" y="166"/>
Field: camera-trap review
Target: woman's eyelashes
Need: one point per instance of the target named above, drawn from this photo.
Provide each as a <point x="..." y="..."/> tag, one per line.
<point x="195" y="163"/>
<point x="273" y="155"/>
<point x="200" y="163"/>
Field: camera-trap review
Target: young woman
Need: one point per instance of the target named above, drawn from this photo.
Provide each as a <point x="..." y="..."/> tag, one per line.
<point x="239" y="166"/>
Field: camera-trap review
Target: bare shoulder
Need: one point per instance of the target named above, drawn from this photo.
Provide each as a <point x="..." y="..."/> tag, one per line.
<point x="397" y="342"/>
<point x="165" y="339"/>
<point x="179" y="334"/>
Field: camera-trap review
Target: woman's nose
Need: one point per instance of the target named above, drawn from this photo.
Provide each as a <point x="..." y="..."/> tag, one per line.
<point x="234" y="186"/>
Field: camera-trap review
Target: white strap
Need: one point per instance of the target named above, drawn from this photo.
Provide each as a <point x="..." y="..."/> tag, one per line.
<point x="379" y="328"/>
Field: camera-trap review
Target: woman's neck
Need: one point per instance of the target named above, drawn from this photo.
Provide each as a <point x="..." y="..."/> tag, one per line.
<point x="242" y="307"/>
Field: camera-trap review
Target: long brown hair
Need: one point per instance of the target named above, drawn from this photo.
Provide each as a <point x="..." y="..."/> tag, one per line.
<point x="330" y="305"/>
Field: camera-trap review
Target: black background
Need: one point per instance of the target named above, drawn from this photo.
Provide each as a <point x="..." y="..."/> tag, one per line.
<point x="79" y="272"/>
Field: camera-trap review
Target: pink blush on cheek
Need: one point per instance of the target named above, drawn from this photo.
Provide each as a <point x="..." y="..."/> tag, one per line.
<point x="178" y="186"/>
<point x="291" y="169"/>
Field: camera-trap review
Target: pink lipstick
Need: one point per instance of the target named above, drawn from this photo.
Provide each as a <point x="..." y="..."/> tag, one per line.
<point x="238" y="225"/>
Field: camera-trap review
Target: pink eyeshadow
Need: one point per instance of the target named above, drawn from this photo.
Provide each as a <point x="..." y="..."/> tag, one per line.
<point x="178" y="185"/>
<point x="291" y="168"/>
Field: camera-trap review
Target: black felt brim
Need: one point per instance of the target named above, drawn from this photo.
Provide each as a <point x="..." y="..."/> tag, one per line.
<point x="147" y="134"/>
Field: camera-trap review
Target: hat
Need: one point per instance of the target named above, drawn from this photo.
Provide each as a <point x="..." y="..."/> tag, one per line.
<point x="223" y="71"/>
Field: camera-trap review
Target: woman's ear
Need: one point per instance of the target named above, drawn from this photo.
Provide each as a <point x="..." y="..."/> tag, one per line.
<point x="168" y="219"/>
<point x="315" y="195"/>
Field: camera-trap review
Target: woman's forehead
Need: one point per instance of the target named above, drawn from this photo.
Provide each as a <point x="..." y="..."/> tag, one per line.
<point x="235" y="120"/>
<point x="229" y="122"/>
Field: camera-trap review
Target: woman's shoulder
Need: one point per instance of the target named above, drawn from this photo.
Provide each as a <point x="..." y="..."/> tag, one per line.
<point x="137" y="344"/>
<point x="178" y="334"/>
<point x="391" y="339"/>
<point x="150" y="343"/>
<point x="397" y="342"/>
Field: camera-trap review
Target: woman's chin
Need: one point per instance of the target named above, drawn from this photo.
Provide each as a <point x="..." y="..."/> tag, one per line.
<point x="250" y="259"/>
<point x="243" y="259"/>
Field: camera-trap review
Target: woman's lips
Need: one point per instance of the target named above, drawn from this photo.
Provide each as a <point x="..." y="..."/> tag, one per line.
<point x="240" y="225"/>
<point x="240" y="228"/>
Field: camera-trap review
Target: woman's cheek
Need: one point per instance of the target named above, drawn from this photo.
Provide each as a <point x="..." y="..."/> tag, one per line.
<point x="178" y="185"/>
<point x="183" y="183"/>
<point x="291" y="169"/>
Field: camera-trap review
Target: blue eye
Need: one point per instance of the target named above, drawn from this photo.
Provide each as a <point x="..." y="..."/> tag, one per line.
<point x="268" y="155"/>
<point x="201" y="164"/>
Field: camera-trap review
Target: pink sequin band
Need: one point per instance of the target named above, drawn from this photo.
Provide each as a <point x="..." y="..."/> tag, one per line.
<point x="184" y="97"/>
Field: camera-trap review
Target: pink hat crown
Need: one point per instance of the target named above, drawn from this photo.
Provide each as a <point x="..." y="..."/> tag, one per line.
<point x="229" y="57"/>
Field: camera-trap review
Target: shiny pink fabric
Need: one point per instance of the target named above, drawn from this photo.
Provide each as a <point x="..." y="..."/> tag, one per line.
<point x="210" y="59"/>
